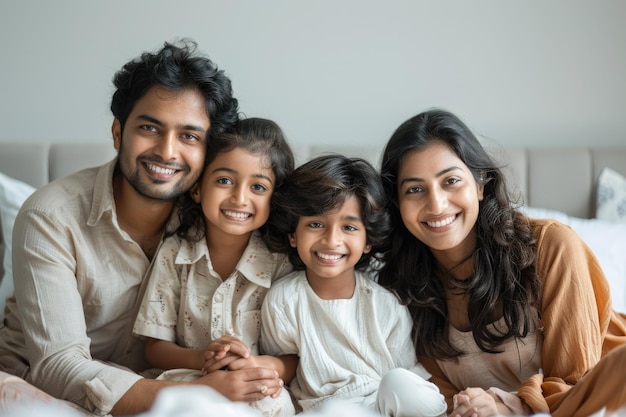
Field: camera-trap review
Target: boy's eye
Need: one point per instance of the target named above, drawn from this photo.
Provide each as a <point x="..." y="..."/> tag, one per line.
<point x="315" y="225"/>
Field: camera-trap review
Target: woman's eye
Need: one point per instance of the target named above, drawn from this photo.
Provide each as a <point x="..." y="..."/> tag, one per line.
<point x="413" y="190"/>
<point x="452" y="181"/>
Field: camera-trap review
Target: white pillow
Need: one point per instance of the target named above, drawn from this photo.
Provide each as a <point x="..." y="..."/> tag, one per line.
<point x="12" y="196"/>
<point x="606" y="239"/>
<point x="611" y="196"/>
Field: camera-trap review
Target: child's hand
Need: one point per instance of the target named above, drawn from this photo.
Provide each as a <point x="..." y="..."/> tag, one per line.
<point x="221" y="352"/>
<point x="257" y="361"/>
<point x="476" y="402"/>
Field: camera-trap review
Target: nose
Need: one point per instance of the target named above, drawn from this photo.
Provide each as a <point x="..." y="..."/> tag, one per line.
<point x="332" y="237"/>
<point x="239" y="195"/>
<point x="166" y="147"/>
<point x="437" y="200"/>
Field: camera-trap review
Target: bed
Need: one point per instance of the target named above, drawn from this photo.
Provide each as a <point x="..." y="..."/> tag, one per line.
<point x="584" y="187"/>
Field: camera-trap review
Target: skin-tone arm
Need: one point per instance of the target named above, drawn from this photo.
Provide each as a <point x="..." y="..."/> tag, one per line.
<point x="250" y="384"/>
<point x="163" y="354"/>
<point x="476" y="402"/>
<point x="233" y="354"/>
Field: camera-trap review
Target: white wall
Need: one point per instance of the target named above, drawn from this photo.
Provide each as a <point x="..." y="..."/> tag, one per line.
<point x="536" y="72"/>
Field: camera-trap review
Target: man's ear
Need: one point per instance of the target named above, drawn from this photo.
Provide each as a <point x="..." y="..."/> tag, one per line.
<point x="116" y="131"/>
<point x="194" y="191"/>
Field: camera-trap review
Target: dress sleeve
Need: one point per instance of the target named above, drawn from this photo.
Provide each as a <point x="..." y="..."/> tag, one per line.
<point x="53" y="318"/>
<point x="575" y="313"/>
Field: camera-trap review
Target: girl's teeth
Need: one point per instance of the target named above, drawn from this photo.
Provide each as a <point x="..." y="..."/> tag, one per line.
<point x="236" y="214"/>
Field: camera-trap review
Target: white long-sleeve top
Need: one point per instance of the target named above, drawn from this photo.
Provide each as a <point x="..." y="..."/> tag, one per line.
<point x="345" y="345"/>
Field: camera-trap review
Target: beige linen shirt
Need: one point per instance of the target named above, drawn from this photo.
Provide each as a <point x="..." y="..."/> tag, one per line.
<point x="77" y="283"/>
<point x="187" y="302"/>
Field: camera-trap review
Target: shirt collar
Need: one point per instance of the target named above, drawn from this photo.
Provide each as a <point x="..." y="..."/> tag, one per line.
<point x="257" y="264"/>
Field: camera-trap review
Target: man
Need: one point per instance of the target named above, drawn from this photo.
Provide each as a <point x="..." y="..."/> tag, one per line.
<point x="83" y="245"/>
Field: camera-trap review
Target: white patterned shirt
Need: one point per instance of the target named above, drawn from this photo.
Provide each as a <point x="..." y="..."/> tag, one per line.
<point x="187" y="302"/>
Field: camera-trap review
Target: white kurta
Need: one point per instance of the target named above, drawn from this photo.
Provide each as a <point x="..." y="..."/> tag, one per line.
<point x="345" y="346"/>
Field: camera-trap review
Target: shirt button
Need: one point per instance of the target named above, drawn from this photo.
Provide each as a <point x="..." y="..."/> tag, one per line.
<point x="216" y="334"/>
<point x="218" y="297"/>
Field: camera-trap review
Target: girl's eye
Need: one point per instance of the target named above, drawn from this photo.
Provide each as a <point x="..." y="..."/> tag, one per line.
<point x="259" y="187"/>
<point x="224" y="181"/>
<point x="350" y="228"/>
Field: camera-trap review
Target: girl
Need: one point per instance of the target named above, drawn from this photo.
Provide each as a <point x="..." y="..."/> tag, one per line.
<point x="511" y="315"/>
<point x="201" y="309"/>
<point x="352" y="336"/>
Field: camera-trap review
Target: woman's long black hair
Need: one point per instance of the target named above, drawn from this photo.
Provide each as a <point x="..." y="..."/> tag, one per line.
<point x="504" y="276"/>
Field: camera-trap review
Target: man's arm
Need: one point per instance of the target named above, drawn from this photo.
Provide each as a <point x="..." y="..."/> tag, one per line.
<point x="245" y="385"/>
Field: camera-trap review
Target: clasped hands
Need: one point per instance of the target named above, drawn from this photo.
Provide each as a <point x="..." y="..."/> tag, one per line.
<point x="230" y="368"/>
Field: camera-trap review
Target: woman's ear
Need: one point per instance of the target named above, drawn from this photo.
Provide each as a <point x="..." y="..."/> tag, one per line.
<point x="292" y="240"/>
<point x="480" y="185"/>
<point x="367" y="248"/>
<point x="194" y="191"/>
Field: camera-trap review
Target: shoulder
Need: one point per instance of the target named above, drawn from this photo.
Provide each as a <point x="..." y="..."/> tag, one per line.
<point x="554" y="238"/>
<point x="377" y="291"/>
<point x="64" y="192"/>
<point x="287" y="287"/>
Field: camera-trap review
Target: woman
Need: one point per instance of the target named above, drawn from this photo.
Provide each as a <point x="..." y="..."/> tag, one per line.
<point x="511" y="315"/>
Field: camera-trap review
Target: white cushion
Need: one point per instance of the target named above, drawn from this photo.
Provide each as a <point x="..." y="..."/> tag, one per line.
<point x="606" y="239"/>
<point x="12" y="196"/>
<point x="611" y="196"/>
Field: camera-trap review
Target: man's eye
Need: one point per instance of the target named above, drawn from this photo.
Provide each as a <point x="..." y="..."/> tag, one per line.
<point x="189" y="136"/>
<point x="148" y="128"/>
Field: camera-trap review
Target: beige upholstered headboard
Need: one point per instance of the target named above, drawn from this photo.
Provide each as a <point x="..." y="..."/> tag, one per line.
<point x="561" y="179"/>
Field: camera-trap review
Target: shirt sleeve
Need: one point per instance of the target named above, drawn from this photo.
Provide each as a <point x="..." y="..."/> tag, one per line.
<point x="400" y="341"/>
<point x="277" y="330"/>
<point x="158" y="312"/>
<point x="53" y="318"/>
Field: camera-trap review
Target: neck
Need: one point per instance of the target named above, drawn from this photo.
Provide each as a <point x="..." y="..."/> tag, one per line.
<point x="335" y="288"/>
<point x="143" y="219"/>
<point x="225" y="250"/>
